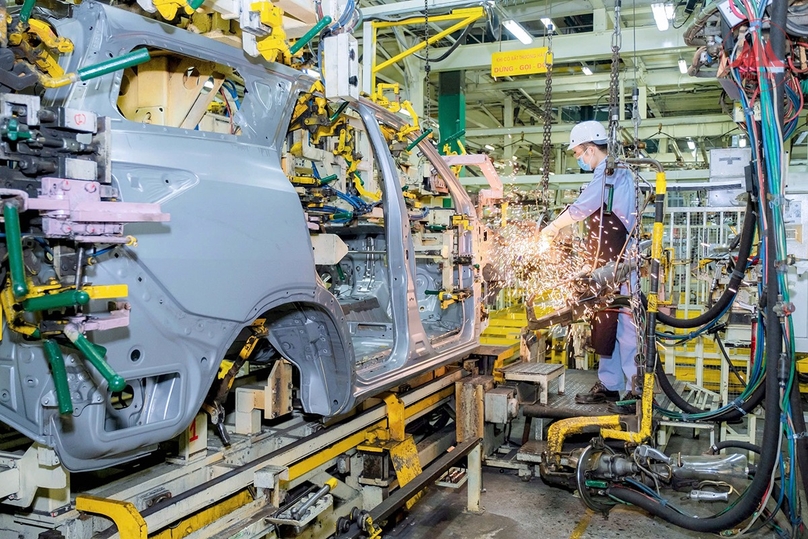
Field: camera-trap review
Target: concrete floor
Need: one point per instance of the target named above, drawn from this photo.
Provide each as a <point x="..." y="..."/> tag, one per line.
<point x="515" y="509"/>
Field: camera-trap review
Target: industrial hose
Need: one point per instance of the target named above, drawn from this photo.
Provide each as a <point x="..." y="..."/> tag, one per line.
<point x="799" y="428"/>
<point x="746" y="240"/>
<point x="747" y="237"/>
<point x="731" y="414"/>
<point x="749" y="502"/>
<point x="735" y="444"/>
<point x="690" y="34"/>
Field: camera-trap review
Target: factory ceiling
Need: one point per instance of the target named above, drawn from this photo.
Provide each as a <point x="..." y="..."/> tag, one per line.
<point x="674" y="107"/>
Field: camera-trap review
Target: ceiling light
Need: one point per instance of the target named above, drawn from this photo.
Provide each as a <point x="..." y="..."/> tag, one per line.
<point x="518" y="31"/>
<point x="548" y="23"/>
<point x="663" y="15"/>
<point x="742" y="142"/>
<point x="489" y="147"/>
<point x="691" y="144"/>
<point x="682" y="66"/>
<point x="586" y="70"/>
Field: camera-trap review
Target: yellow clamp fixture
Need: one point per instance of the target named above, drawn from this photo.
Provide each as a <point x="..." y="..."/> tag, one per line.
<point x="380" y="99"/>
<point x="274" y="43"/>
<point x="169" y="8"/>
<point x="48" y="38"/>
<point x="461" y="221"/>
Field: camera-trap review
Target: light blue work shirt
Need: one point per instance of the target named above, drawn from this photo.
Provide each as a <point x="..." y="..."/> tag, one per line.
<point x="594" y="196"/>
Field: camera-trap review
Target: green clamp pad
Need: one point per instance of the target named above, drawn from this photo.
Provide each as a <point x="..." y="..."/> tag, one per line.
<point x="14" y="244"/>
<point x="133" y="58"/>
<point x="300" y="43"/>
<point x="95" y="355"/>
<point x="57" y="364"/>
<point x="14" y="132"/>
<point x="328" y="179"/>
<point x="56" y="301"/>
<point x="26" y="10"/>
<point x="417" y="141"/>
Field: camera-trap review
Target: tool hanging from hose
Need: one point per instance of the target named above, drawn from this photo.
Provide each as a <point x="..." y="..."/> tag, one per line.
<point x="614" y="94"/>
<point x="547" y="146"/>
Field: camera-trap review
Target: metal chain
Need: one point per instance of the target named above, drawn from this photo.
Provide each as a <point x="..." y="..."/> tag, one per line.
<point x="547" y="146"/>
<point x="635" y="118"/>
<point x="637" y="309"/>
<point x="427" y="68"/>
<point x="635" y="94"/>
<point x="614" y="94"/>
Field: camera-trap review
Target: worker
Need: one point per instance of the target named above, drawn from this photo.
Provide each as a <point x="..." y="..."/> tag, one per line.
<point x="608" y="204"/>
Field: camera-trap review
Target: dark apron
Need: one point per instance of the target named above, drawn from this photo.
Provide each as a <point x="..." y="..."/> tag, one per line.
<point x="612" y="238"/>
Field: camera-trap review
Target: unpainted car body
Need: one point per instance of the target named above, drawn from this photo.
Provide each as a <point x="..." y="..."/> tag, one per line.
<point x="237" y="248"/>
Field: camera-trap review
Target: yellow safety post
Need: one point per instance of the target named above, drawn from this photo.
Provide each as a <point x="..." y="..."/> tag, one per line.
<point x="126" y="517"/>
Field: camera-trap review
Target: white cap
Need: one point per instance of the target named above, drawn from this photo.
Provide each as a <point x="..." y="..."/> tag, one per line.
<point x="590" y="131"/>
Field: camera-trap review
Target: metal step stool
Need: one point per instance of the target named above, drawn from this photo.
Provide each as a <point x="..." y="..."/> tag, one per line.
<point x="537" y="373"/>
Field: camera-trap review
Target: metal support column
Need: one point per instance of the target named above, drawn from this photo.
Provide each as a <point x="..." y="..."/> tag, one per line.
<point x="452" y="109"/>
<point x="475" y="482"/>
<point x="507" y="120"/>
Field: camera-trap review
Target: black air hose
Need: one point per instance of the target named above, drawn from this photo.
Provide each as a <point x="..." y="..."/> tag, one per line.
<point x="735" y="444"/>
<point x="747" y="237"/>
<point x="748" y="503"/>
<point x="753" y="495"/>
<point x="728" y="415"/>
<point x="799" y="427"/>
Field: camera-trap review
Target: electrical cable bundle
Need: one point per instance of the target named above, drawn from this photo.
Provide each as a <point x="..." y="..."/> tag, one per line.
<point x="757" y="65"/>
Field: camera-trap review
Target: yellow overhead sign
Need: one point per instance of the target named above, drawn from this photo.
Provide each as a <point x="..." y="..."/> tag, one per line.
<point x="523" y="62"/>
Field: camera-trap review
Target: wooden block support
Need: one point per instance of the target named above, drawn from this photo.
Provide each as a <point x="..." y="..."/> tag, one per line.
<point x="470" y="397"/>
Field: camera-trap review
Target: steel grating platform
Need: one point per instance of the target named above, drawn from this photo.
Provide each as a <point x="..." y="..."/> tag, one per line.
<point x="564" y="406"/>
<point x="578" y="381"/>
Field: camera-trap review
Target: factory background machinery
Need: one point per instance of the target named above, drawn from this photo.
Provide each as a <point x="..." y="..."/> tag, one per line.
<point x="274" y="269"/>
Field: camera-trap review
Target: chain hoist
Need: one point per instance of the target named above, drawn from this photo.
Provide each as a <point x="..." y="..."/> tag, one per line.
<point x="614" y="94"/>
<point x="547" y="146"/>
<point x="635" y="94"/>
<point x="427" y="68"/>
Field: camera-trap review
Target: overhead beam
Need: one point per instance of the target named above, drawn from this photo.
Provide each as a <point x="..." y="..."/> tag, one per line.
<point x="411" y="6"/>
<point x="676" y="121"/>
<point x="488" y="113"/>
<point x="580" y="82"/>
<point x="567" y="48"/>
<point x="559" y="180"/>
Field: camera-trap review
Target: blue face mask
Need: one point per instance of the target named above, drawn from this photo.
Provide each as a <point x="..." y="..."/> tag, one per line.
<point x="583" y="164"/>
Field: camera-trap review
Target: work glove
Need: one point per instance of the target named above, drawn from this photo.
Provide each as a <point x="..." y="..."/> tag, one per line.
<point x="548" y="234"/>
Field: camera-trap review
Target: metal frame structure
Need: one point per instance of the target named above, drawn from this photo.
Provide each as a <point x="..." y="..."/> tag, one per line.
<point x="370" y="29"/>
<point x="196" y="491"/>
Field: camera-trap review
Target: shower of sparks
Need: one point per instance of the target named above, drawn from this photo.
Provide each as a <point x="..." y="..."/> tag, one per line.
<point x="522" y="261"/>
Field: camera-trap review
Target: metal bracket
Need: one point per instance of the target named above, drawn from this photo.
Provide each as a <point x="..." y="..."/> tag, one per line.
<point x="124" y="514"/>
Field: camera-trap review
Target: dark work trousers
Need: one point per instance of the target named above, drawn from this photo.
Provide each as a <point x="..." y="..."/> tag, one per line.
<point x="610" y="236"/>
